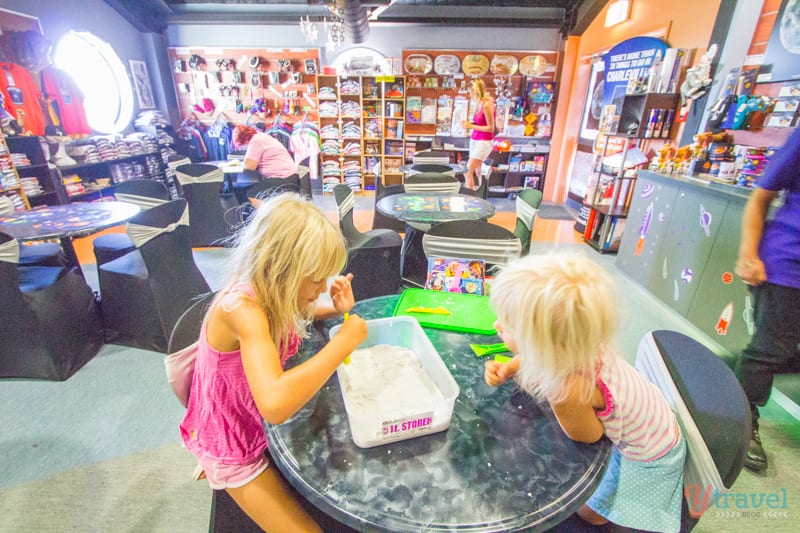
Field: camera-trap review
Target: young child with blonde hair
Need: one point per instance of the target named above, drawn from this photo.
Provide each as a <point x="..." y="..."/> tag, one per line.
<point x="282" y="260"/>
<point x="558" y="314"/>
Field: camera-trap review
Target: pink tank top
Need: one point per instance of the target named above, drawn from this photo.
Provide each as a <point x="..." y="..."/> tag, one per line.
<point x="222" y="422"/>
<point x="479" y="119"/>
<point x="637" y="418"/>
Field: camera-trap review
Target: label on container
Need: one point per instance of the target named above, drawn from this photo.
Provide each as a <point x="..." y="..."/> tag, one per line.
<point x="408" y="426"/>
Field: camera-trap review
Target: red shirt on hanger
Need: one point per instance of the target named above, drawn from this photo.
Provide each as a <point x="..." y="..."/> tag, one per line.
<point x="22" y="97"/>
<point x="58" y="86"/>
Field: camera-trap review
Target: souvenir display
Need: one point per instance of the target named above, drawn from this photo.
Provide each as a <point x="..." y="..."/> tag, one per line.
<point x="447" y="65"/>
<point x="532" y="65"/>
<point x="475" y="65"/>
<point x="504" y="65"/>
<point x="418" y="64"/>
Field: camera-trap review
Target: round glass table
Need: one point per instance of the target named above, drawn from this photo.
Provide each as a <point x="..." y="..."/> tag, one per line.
<point x="420" y="211"/>
<point x="503" y="464"/>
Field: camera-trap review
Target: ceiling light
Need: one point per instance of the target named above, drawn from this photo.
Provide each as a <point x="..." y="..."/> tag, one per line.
<point x="618" y="11"/>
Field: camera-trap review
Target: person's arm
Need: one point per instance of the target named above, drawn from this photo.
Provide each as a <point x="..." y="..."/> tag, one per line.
<point x="748" y="265"/>
<point x="488" y="112"/>
<point x="496" y="373"/>
<point x="253" y="154"/>
<point x="278" y="394"/>
<point x="341" y="292"/>
<point x="577" y="416"/>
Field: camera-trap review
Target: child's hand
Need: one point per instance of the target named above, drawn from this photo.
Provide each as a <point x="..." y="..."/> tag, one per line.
<point x="353" y="331"/>
<point x="342" y="293"/>
<point x="496" y="373"/>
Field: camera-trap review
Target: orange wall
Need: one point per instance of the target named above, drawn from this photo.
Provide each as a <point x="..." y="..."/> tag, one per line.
<point x="687" y="23"/>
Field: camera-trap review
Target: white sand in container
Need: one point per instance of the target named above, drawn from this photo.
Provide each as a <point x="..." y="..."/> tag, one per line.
<point x="386" y="377"/>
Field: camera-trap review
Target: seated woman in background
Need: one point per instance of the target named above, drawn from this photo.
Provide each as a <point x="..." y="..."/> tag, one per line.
<point x="264" y="153"/>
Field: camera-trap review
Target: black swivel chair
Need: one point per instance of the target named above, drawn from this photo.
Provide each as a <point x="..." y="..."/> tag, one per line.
<point x="712" y="410"/>
<point x="40" y="254"/>
<point x="431" y="182"/>
<point x="373" y="257"/>
<point x="427" y="168"/>
<point x="527" y="205"/>
<point x="379" y="220"/>
<point x="143" y="293"/>
<point x="50" y="324"/>
<point x="145" y="194"/>
<point x="202" y="185"/>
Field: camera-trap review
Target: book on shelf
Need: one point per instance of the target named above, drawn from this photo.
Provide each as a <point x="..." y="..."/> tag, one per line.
<point x="614" y="236"/>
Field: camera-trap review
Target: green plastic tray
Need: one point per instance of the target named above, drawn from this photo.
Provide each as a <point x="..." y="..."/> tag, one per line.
<point x="468" y="313"/>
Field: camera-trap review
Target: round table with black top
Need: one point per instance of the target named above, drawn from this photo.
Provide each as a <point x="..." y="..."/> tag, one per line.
<point x="504" y="464"/>
<point x="420" y="211"/>
<point x="66" y="222"/>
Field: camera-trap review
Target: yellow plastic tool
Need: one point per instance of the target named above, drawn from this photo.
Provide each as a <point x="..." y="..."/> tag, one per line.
<point x="347" y="359"/>
<point x="430" y="310"/>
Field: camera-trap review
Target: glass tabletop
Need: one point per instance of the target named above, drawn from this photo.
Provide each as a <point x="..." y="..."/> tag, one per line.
<point x="504" y="464"/>
<point x="435" y="207"/>
<point x="71" y="220"/>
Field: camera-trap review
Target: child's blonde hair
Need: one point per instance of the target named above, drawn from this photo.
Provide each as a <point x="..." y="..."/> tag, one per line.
<point x="560" y="310"/>
<point x="286" y="240"/>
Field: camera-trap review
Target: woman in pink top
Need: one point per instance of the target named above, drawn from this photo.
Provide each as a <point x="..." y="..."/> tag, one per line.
<point x="280" y="265"/>
<point x="557" y="313"/>
<point x="264" y="153"/>
<point x="482" y="126"/>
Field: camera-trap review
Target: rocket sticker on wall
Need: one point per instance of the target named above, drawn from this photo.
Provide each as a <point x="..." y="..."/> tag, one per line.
<point x="647" y="219"/>
<point x="724" y="319"/>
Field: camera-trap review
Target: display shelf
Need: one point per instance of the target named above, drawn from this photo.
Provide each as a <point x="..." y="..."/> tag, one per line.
<point x="36" y="149"/>
<point x="608" y="197"/>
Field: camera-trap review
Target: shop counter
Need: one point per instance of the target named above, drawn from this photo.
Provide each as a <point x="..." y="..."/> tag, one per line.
<point x="681" y="242"/>
<point x="503" y="464"/>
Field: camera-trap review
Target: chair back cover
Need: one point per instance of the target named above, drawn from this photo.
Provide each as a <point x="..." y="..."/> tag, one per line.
<point x="6" y="205"/>
<point x="304" y="173"/>
<point x="270" y="186"/>
<point x="425" y="182"/>
<point x="427" y="168"/>
<point x="48" y="333"/>
<point x="471" y="239"/>
<point x="430" y="157"/>
<point x="527" y="205"/>
<point x="201" y="185"/>
<point x="166" y="250"/>
<point x="711" y="407"/>
<point x="144" y="193"/>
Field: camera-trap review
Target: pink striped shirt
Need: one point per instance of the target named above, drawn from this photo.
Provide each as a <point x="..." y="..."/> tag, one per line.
<point x="637" y="418"/>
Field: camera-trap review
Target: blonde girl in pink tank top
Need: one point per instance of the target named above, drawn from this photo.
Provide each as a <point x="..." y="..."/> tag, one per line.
<point x="280" y="265"/>
<point x="557" y="313"/>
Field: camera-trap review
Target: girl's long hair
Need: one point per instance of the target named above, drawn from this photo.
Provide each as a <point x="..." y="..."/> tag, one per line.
<point x="562" y="312"/>
<point x="286" y="240"/>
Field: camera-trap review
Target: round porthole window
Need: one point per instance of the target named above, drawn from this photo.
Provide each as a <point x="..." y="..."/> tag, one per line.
<point x="99" y="73"/>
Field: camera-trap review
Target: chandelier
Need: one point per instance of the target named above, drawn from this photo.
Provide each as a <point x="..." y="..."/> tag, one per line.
<point x="333" y="27"/>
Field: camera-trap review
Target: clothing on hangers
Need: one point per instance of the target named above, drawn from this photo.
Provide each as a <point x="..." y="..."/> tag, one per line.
<point x="22" y="98"/>
<point x="58" y="87"/>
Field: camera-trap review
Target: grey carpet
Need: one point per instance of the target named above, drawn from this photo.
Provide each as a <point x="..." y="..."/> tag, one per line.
<point x="556" y="212"/>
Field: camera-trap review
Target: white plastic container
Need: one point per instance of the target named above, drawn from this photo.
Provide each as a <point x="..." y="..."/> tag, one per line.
<point x="406" y="422"/>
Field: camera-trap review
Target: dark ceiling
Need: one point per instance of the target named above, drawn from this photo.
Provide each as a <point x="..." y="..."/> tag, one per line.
<point x="571" y="17"/>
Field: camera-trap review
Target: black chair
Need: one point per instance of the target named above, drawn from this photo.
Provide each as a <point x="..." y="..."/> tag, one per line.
<point x="39" y="254"/>
<point x="379" y="220"/>
<point x="373" y="257"/>
<point x="304" y="173"/>
<point x="527" y="205"/>
<point x="145" y="194"/>
<point x="472" y="239"/>
<point x="50" y="324"/>
<point x="712" y="410"/>
<point x="143" y="293"/>
<point x="202" y="185"/>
